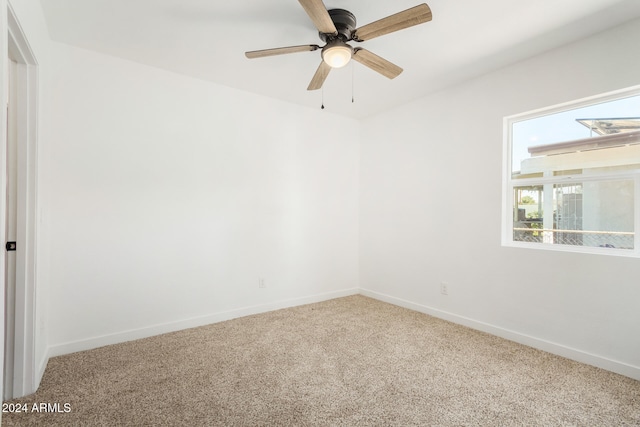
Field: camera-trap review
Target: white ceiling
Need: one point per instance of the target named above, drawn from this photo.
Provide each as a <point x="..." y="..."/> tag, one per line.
<point x="207" y="39"/>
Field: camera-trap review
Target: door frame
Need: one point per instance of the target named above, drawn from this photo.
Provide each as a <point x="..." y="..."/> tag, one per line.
<point x="24" y="367"/>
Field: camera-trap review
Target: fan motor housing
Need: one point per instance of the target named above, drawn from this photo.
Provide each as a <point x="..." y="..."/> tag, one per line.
<point x="345" y="23"/>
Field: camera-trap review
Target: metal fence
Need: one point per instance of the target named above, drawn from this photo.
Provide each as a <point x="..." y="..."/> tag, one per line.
<point x="602" y="239"/>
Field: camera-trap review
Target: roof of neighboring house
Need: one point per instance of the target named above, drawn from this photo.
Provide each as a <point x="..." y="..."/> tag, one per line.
<point x="594" y="143"/>
<point x="613" y="132"/>
<point x="611" y="126"/>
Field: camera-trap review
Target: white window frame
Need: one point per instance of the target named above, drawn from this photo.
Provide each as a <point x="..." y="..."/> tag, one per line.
<point x="509" y="184"/>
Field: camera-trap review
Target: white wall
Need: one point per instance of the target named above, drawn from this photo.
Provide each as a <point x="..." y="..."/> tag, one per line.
<point x="424" y="164"/>
<point x="421" y="166"/>
<point x="170" y="197"/>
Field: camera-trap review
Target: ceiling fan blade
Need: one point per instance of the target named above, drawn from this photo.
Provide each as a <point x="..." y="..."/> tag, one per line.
<point x="376" y="63"/>
<point x="281" y="51"/>
<point x="319" y="15"/>
<point x="320" y="76"/>
<point x="399" y="21"/>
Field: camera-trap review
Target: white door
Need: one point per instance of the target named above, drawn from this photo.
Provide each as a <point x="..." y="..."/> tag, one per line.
<point x="11" y="230"/>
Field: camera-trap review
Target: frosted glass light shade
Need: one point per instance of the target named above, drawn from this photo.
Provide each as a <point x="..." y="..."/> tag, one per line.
<point x="337" y="56"/>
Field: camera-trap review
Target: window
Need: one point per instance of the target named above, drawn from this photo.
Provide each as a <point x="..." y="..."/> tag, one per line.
<point x="572" y="178"/>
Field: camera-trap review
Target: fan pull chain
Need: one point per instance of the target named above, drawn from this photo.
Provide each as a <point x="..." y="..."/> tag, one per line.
<point x="353" y="72"/>
<point x="322" y="106"/>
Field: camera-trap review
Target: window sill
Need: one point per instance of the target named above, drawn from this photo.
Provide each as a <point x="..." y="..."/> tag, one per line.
<point x="627" y="253"/>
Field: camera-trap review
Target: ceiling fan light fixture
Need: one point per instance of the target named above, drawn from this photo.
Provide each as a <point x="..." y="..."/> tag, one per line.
<point x="337" y="27"/>
<point x="337" y="54"/>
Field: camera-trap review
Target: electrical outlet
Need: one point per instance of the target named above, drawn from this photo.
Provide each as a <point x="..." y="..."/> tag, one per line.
<point x="261" y="283"/>
<point x="444" y="288"/>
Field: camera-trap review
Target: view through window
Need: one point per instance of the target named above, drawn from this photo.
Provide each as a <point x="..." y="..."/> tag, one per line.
<point x="574" y="175"/>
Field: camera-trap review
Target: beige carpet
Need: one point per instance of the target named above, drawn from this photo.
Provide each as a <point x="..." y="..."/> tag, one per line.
<point x="350" y="361"/>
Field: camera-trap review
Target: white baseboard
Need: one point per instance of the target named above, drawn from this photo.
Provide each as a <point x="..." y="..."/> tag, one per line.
<point x="41" y="368"/>
<point x="551" y="347"/>
<point x="134" y="334"/>
<point x="540" y="344"/>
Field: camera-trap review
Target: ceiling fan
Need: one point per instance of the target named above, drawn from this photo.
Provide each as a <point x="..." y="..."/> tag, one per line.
<point x="337" y="27"/>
